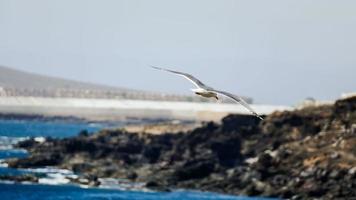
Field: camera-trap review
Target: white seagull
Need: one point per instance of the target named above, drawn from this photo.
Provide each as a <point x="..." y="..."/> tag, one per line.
<point x="208" y="92"/>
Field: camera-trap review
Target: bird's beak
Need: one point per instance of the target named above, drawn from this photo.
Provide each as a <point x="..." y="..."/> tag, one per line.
<point x="216" y="97"/>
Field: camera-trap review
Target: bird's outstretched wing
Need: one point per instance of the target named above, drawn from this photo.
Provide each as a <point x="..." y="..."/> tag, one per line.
<point x="191" y="78"/>
<point x="239" y="100"/>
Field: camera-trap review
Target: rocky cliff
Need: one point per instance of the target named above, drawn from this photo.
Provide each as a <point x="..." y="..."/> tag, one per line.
<point x="302" y="154"/>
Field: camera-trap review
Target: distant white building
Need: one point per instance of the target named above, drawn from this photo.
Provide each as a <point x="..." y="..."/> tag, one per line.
<point x="348" y="95"/>
<point x="2" y="92"/>
<point x="311" y="102"/>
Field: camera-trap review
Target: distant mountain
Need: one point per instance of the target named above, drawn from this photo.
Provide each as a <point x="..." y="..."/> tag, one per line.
<point x="20" y="83"/>
<point x="12" y="78"/>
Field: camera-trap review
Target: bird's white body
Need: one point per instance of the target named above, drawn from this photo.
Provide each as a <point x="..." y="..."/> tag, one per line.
<point x="205" y="93"/>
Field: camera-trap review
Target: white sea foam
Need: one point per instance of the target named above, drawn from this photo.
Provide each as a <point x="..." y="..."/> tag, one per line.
<point x="120" y="184"/>
<point x="40" y="139"/>
<point x="84" y="186"/>
<point x="3" y="164"/>
<point x="7" y="143"/>
<point x="48" y="170"/>
<point x="54" y="176"/>
<point x="53" y="181"/>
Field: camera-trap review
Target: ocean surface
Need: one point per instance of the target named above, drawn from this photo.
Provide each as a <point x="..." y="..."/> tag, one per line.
<point x="53" y="184"/>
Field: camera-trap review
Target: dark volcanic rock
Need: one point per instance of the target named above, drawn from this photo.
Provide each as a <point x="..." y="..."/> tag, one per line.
<point x="20" y="178"/>
<point x="194" y="170"/>
<point x="37" y="160"/>
<point x="302" y="154"/>
<point x="26" y="144"/>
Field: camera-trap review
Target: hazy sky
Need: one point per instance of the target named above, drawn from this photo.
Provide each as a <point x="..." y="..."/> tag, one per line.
<point x="277" y="52"/>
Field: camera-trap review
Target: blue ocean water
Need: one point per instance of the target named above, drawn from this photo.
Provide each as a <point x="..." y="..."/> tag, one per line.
<point x="12" y="131"/>
<point x="33" y="128"/>
<point x="18" y="191"/>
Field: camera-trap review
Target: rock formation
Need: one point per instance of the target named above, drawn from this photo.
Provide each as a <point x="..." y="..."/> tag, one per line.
<point x="302" y="154"/>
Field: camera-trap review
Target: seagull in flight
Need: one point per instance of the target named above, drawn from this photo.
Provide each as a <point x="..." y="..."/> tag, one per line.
<point x="209" y="92"/>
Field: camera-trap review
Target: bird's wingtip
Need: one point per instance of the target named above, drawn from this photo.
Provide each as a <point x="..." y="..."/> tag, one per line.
<point x="154" y="67"/>
<point x="258" y="116"/>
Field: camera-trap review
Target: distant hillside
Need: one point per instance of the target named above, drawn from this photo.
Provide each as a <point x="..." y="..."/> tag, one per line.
<point x="11" y="78"/>
<point x="19" y="83"/>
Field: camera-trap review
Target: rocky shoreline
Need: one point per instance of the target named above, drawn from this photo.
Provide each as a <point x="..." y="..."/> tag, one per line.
<point x="308" y="153"/>
<point x="13" y="116"/>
